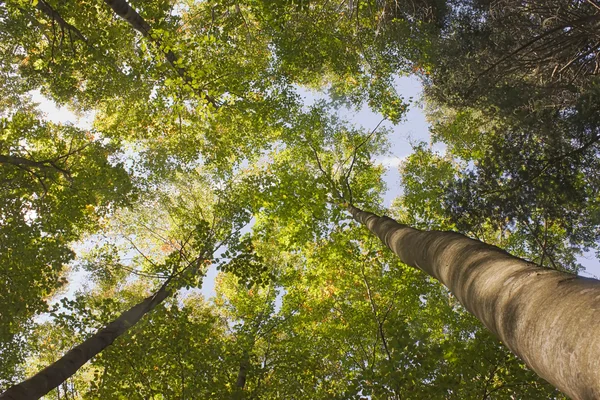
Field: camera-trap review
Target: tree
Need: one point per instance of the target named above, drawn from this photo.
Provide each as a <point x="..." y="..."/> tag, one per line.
<point x="56" y="373"/>
<point x="447" y="193"/>
<point x="325" y="341"/>
<point x="540" y="314"/>
<point x="212" y="86"/>
<point x="517" y="55"/>
<point x="181" y="267"/>
<point x="57" y="183"/>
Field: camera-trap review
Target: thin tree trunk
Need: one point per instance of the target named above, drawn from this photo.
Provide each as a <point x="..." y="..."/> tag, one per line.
<point x="131" y="16"/>
<point x="58" y="372"/>
<point x="550" y="319"/>
<point x="240" y="383"/>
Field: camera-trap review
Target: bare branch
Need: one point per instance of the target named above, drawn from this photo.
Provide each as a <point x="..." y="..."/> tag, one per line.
<point x="325" y="174"/>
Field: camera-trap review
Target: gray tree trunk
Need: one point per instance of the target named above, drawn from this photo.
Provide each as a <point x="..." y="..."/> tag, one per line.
<point x="58" y="372"/>
<point x="550" y="319"/>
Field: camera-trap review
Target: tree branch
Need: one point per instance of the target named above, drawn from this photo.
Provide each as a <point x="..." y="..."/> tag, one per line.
<point x="325" y="175"/>
<point x="52" y="13"/>
<point x="376" y="317"/>
<point x="27" y="163"/>
<point x="133" y="18"/>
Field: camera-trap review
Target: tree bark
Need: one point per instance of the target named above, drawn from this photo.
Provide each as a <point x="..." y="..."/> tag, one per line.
<point x="20" y="161"/>
<point x="58" y="372"/>
<point x="125" y="11"/>
<point x="131" y="16"/>
<point x="550" y="319"/>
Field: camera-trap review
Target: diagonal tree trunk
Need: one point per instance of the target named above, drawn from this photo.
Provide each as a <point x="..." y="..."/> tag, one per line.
<point x="125" y="11"/>
<point x="550" y="319"/>
<point x="131" y="16"/>
<point x="58" y="372"/>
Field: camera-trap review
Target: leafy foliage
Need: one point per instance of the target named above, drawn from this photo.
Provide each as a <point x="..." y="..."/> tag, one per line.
<point x="57" y="183"/>
<point x="204" y="157"/>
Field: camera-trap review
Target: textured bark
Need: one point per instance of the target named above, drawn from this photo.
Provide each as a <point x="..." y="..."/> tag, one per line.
<point x="58" y="372"/>
<point x="550" y="319"/>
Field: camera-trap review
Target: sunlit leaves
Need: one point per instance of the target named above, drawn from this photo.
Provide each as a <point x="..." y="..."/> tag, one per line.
<point x="201" y="111"/>
<point x="58" y="182"/>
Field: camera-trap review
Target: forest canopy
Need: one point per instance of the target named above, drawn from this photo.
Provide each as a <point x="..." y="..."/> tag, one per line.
<point x="221" y="143"/>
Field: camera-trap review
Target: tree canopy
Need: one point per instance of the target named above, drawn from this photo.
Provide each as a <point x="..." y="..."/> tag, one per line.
<point x="221" y="145"/>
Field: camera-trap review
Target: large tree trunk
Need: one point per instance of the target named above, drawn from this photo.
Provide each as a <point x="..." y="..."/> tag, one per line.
<point x="58" y="372"/>
<point x="550" y="319"/>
